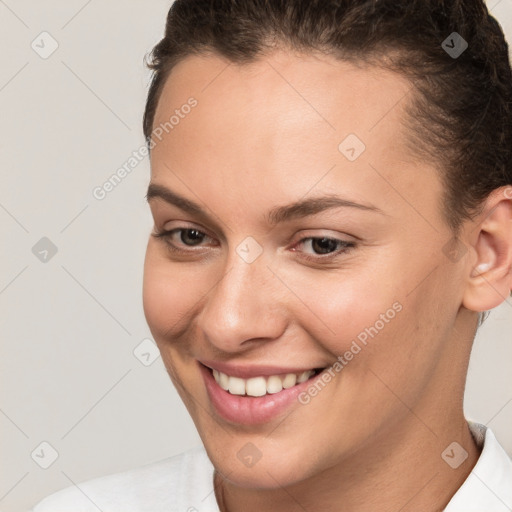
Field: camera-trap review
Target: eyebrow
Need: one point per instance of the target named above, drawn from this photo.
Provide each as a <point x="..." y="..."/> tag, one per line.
<point x="298" y="209"/>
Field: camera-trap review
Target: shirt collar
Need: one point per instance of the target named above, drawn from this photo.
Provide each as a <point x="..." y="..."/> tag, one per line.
<point x="489" y="485"/>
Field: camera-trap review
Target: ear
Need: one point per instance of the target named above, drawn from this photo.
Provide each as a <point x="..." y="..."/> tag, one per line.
<point x="489" y="280"/>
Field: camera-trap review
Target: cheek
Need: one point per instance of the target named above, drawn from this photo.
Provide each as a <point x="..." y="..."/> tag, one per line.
<point x="164" y="294"/>
<point x="172" y="293"/>
<point x="376" y="323"/>
<point x="169" y="295"/>
<point x="345" y="306"/>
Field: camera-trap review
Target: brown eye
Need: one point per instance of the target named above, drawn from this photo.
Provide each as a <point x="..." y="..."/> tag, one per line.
<point x="177" y="240"/>
<point x="324" y="248"/>
<point x="324" y="245"/>
<point x="191" y="236"/>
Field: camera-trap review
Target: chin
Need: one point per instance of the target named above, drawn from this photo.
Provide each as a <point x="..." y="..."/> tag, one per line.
<point x="263" y="475"/>
<point x="260" y="463"/>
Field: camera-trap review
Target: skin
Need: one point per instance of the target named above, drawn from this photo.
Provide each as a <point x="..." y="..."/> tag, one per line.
<point x="266" y="134"/>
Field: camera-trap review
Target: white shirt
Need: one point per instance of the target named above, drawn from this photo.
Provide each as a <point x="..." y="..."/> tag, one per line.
<point x="184" y="483"/>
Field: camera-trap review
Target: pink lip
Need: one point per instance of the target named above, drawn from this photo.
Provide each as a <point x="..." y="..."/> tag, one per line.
<point x="248" y="410"/>
<point x="246" y="372"/>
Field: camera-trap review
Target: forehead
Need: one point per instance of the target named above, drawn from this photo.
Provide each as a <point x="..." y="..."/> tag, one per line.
<point x="284" y="121"/>
<point x="342" y="95"/>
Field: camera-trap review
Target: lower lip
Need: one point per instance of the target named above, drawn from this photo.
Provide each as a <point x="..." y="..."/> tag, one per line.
<point x="250" y="410"/>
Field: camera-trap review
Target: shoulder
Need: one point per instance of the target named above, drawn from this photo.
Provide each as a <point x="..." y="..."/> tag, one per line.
<point x="489" y="485"/>
<point x="181" y="482"/>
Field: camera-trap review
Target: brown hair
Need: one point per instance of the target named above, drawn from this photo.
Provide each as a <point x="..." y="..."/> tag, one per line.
<point x="460" y="116"/>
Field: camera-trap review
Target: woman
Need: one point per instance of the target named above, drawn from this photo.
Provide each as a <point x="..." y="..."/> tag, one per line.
<point x="331" y="187"/>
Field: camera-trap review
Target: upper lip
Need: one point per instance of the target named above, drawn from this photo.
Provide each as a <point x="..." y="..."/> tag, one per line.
<point x="245" y="371"/>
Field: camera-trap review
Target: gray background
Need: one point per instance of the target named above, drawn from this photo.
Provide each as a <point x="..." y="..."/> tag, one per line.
<point x="70" y="324"/>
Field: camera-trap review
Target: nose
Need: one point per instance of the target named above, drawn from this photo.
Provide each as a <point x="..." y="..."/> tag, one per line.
<point x="245" y="308"/>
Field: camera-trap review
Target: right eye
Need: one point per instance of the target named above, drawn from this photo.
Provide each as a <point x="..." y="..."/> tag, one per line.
<point x="184" y="236"/>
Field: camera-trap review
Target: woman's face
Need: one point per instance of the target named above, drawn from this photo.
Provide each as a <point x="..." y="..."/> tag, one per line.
<point x="256" y="287"/>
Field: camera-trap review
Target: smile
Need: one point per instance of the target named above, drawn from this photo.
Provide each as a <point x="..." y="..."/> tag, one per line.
<point x="260" y="386"/>
<point x="254" y="395"/>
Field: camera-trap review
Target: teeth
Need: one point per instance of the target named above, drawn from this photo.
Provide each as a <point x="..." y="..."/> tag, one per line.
<point x="236" y="386"/>
<point x="290" y="380"/>
<point x="274" y="384"/>
<point x="259" y="386"/>
<point x="223" y="381"/>
<point x="303" y="377"/>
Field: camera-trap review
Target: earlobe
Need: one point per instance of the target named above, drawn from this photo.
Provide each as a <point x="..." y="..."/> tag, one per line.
<point x="489" y="281"/>
<point x="480" y="269"/>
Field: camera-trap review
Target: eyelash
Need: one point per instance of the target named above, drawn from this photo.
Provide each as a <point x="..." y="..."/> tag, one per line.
<point x="345" y="246"/>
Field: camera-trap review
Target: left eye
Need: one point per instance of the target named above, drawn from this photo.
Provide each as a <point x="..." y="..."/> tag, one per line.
<point x="324" y="245"/>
